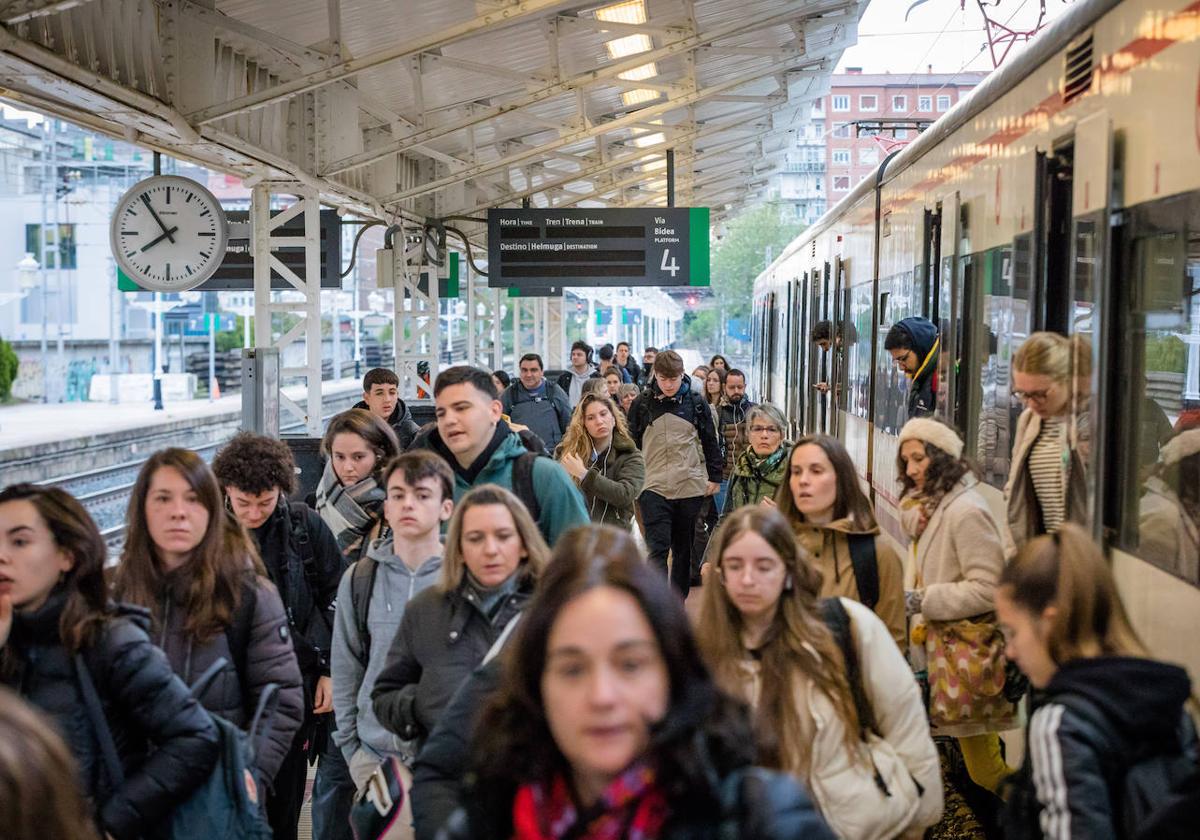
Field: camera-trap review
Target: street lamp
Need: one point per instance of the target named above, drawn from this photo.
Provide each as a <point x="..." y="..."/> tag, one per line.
<point x="28" y="271"/>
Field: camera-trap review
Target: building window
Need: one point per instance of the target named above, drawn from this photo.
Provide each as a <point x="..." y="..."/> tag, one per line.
<point x="61" y="257"/>
<point x="842" y="130"/>
<point x="841" y="103"/>
<point x="818" y="185"/>
<point x="943" y="103"/>
<point x="841" y="182"/>
<point x="818" y="107"/>
<point x="841" y="156"/>
<point x="900" y="103"/>
<point x="868" y="102"/>
<point x="901" y="134"/>
<point x="925" y="103"/>
<point x="868" y="156"/>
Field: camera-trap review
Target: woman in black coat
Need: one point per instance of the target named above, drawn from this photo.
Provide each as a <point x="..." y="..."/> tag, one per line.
<point x="188" y="561"/>
<point x="53" y="605"/>
<point x="607" y="723"/>
<point x="494" y="554"/>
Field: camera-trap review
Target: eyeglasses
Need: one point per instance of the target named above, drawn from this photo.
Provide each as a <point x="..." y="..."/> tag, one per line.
<point x="1032" y="396"/>
<point x="902" y="361"/>
<point x="764" y="430"/>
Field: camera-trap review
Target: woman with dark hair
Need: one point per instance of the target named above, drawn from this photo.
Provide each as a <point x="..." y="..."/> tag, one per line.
<point x="599" y="454"/>
<point x="714" y="388"/>
<point x="501" y="379"/>
<point x="56" y="619"/>
<point x="958" y="554"/>
<point x="39" y="787"/>
<point x="493" y="557"/>
<point x="357" y="445"/>
<point x="824" y="503"/>
<point x="719" y="362"/>
<point x="189" y="562"/>
<point x="608" y="724"/>
<point x="836" y="703"/>
<point x="1108" y="719"/>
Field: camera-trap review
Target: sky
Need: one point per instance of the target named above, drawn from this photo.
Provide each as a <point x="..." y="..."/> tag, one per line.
<point x="949" y="34"/>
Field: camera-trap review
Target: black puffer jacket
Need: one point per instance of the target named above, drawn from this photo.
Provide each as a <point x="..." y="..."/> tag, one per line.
<point x="269" y="658"/>
<point x="442" y="638"/>
<point x="401" y="421"/>
<point x="310" y="614"/>
<point x="166" y="741"/>
<point x="749" y="803"/>
<point x="1094" y="720"/>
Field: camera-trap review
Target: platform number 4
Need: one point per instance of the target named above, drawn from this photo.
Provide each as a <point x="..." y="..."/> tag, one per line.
<point x="668" y="263"/>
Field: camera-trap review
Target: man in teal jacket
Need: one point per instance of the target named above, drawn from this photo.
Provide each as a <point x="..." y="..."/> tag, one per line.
<point x="482" y="449"/>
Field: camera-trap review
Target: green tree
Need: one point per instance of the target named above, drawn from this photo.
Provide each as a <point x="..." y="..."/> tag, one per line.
<point x="8" y="369"/>
<point x="753" y="239"/>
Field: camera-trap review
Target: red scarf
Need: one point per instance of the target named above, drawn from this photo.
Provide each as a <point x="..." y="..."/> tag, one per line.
<point x="632" y="808"/>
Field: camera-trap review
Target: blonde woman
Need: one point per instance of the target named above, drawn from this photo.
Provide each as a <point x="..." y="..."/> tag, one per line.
<point x="1047" y="482"/>
<point x="599" y="454"/>
<point x="494" y="554"/>
<point x="835" y="702"/>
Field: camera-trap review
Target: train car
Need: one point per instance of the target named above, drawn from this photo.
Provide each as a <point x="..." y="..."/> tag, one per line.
<point x="1063" y="194"/>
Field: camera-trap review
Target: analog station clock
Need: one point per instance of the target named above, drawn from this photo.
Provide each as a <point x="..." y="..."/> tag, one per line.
<point x="168" y="233"/>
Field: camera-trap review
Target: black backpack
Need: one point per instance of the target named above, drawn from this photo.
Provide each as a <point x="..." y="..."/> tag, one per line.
<point x="866" y="568"/>
<point x="522" y="482"/>
<point x="1157" y="795"/>
<point x="362" y="584"/>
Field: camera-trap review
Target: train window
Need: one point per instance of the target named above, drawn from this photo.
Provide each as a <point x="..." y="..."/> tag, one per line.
<point x="1158" y="362"/>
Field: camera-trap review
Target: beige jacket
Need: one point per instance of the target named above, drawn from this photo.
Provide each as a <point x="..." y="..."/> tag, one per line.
<point x="960" y="555"/>
<point x="1167" y="535"/>
<point x="829" y="549"/>
<point x="1024" y="515"/>
<point x="843" y="788"/>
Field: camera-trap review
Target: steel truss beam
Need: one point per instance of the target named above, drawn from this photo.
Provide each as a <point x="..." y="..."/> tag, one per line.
<point x="416" y="324"/>
<point x="604" y="128"/>
<point x="518" y="12"/>
<point x="577" y="82"/>
<point x="265" y="241"/>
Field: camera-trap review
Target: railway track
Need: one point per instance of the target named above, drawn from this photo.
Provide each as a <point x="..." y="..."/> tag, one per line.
<point x="104" y="492"/>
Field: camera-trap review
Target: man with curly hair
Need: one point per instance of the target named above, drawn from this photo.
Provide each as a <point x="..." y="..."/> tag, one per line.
<point x="257" y="475"/>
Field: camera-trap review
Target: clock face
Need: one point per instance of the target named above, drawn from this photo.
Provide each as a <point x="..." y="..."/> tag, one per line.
<point x="169" y="233"/>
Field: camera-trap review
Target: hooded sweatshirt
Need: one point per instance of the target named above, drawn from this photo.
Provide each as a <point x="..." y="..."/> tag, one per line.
<point x="1096" y="717"/>
<point x="354" y="668"/>
<point x="560" y="501"/>
<point x="401" y="421"/>
<point x="829" y="548"/>
<point x="922" y="385"/>
<point x="572" y="382"/>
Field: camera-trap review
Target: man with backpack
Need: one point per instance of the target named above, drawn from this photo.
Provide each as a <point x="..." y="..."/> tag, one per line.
<point x="374" y="593"/>
<point x="303" y="561"/>
<point x="674" y="428"/>
<point x="482" y="449"/>
<point x="536" y="402"/>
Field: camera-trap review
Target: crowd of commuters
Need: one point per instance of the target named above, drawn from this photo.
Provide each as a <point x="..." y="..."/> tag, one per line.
<point x="477" y="629"/>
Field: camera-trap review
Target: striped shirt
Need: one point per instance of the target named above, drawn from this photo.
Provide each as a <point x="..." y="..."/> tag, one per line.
<point x="1047" y="468"/>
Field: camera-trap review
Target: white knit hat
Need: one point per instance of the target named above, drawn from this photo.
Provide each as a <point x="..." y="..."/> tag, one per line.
<point x="1183" y="445"/>
<point x="933" y="432"/>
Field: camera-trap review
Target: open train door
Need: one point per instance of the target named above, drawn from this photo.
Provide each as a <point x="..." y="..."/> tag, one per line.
<point x="946" y="310"/>
<point x="1089" y="319"/>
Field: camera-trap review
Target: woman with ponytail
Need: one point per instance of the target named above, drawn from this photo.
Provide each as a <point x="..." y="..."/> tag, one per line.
<point x="1107" y="716"/>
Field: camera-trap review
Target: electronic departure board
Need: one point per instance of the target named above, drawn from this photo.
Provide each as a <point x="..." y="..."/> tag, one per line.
<point x="541" y="251"/>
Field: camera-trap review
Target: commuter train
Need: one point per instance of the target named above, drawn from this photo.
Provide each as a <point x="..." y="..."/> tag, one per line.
<point x="1063" y="194"/>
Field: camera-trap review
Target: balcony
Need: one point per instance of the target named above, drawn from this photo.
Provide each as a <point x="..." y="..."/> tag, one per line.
<point x="815" y="167"/>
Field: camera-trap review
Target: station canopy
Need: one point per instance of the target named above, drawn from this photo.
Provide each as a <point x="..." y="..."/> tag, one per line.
<point x="437" y="108"/>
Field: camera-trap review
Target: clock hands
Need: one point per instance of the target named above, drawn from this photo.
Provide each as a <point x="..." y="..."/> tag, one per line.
<point x="167" y="233"/>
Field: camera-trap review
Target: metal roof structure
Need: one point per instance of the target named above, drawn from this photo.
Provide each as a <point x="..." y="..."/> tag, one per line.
<point x="437" y="108"/>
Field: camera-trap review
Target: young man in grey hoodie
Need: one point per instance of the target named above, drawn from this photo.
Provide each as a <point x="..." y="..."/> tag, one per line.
<point x="420" y="497"/>
<point x="581" y="370"/>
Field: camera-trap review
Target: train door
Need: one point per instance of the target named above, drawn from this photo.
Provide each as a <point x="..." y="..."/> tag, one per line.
<point x="1088" y="319"/>
<point x="814" y="398"/>
<point x="945" y="302"/>
<point x="1052" y="232"/>
<point x="799" y="373"/>
<point x="837" y="351"/>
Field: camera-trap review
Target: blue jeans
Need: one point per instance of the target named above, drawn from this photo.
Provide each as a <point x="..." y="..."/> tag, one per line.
<point x="333" y="794"/>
